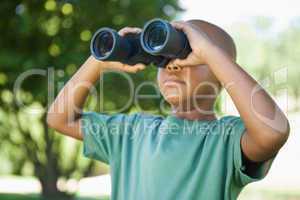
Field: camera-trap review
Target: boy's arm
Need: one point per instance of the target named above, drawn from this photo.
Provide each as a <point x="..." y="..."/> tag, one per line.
<point x="267" y="128"/>
<point x="64" y="113"/>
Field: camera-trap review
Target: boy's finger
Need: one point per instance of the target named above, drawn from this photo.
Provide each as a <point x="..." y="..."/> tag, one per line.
<point x="131" y="69"/>
<point x="181" y="25"/>
<point x="123" y="30"/>
<point x="183" y="62"/>
<point x="127" y="30"/>
<point x="140" y="66"/>
<point x="180" y="62"/>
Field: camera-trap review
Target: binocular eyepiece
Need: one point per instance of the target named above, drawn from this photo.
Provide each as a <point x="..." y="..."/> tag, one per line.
<point x="158" y="43"/>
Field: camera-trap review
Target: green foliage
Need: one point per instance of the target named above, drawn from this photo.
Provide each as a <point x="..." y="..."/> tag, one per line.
<point x="53" y="37"/>
<point x="270" y="54"/>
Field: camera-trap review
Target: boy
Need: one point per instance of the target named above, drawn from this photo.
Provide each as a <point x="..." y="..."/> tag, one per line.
<point x="190" y="154"/>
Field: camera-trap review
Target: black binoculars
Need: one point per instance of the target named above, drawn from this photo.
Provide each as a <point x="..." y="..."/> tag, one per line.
<point x="158" y="42"/>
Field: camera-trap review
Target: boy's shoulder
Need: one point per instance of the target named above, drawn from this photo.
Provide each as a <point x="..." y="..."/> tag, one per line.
<point x="149" y="115"/>
<point x="226" y="120"/>
<point x="135" y="117"/>
<point x="230" y="119"/>
<point x="128" y="118"/>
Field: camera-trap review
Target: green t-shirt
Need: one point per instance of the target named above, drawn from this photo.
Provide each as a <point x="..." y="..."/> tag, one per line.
<point x="153" y="158"/>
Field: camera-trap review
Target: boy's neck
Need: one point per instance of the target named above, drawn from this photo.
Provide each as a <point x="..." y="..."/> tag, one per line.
<point x="203" y="111"/>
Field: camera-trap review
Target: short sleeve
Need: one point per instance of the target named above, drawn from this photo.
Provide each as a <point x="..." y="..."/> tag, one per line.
<point x="237" y="129"/>
<point x="103" y="134"/>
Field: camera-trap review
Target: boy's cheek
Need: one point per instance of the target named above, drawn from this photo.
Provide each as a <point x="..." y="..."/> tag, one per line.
<point x="159" y="79"/>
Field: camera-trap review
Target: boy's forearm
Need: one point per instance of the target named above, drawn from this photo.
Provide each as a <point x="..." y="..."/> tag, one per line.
<point x="264" y="120"/>
<point x="71" y="98"/>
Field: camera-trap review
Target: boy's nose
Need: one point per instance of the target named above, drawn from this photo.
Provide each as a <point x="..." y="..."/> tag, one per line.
<point x="171" y="68"/>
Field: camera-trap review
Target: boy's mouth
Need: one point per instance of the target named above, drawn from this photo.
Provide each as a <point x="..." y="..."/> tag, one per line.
<point x="172" y="81"/>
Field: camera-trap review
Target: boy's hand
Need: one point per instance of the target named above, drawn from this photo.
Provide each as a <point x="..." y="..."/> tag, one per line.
<point x="198" y="41"/>
<point x="121" y="66"/>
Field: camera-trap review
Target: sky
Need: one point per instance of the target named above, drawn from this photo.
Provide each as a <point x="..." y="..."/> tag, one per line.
<point x="227" y="12"/>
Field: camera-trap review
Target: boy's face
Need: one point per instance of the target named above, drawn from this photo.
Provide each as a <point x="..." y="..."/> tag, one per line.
<point x="188" y="86"/>
<point x="195" y="86"/>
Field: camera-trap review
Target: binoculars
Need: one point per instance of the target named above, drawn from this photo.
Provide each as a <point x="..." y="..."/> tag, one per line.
<point x="158" y="43"/>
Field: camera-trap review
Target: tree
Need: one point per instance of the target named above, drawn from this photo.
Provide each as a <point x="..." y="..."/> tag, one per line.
<point x="273" y="54"/>
<point x="51" y="40"/>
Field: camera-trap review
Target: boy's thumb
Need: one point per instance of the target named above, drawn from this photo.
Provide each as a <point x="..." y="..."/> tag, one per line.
<point x="181" y="62"/>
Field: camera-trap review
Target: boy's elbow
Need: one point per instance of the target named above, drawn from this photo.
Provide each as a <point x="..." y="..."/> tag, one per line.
<point x="280" y="133"/>
<point x="53" y="120"/>
<point x="286" y="132"/>
<point x="279" y="137"/>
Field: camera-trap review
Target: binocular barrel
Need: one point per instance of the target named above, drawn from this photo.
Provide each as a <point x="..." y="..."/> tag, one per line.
<point x="158" y="43"/>
<point x="159" y="37"/>
<point x="106" y="44"/>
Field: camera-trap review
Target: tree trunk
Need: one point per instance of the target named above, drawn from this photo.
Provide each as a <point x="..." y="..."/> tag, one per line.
<point x="48" y="172"/>
<point x="50" y="190"/>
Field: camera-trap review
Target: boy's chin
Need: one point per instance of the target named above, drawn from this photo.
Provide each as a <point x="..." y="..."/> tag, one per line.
<point x="173" y="99"/>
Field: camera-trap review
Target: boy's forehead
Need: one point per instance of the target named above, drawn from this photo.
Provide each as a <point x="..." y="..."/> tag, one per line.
<point x="217" y="35"/>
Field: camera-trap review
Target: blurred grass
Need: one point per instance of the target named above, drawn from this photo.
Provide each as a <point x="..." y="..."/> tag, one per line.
<point x="272" y="194"/>
<point x="253" y="195"/>
<point x="37" y="197"/>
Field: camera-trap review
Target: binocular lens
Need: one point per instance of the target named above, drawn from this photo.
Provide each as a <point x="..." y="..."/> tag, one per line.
<point x="155" y="36"/>
<point x="161" y="38"/>
<point x="108" y="45"/>
<point x="103" y="44"/>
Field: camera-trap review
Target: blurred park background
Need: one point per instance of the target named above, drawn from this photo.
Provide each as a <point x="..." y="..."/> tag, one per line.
<point x="48" y="40"/>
